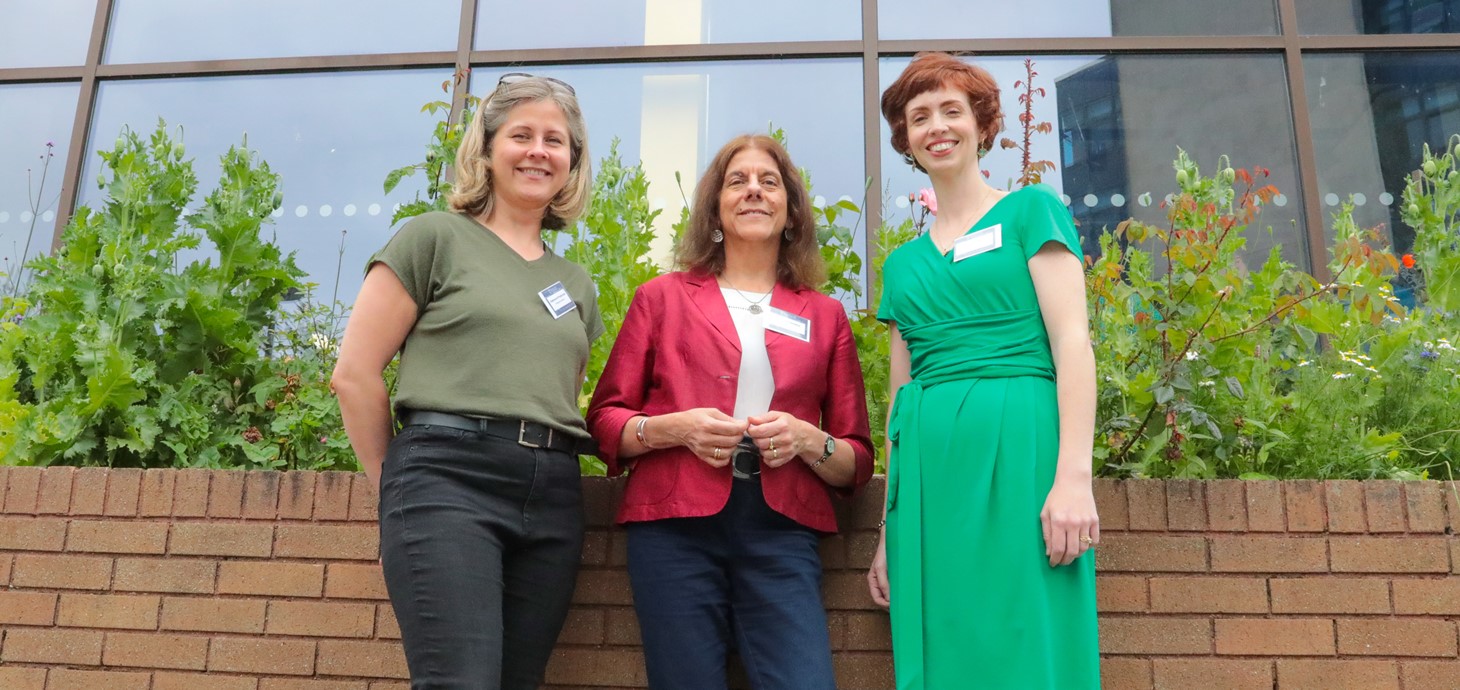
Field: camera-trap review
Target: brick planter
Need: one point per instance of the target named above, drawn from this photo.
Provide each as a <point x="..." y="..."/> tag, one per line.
<point x="191" y="579"/>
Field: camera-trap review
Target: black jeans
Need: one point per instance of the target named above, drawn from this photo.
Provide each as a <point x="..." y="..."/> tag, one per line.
<point x="480" y="539"/>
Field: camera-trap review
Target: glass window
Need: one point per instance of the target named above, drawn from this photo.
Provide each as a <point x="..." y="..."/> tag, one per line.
<point x="1116" y="125"/>
<point x="501" y="24"/>
<point x="54" y="33"/>
<point x="1343" y="17"/>
<point x="331" y="137"/>
<point x="674" y="117"/>
<point x="1372" y="115"/>
<point x="916" y="19"/>
<point x="169" y="30"/>
<point x="36" y="120"/>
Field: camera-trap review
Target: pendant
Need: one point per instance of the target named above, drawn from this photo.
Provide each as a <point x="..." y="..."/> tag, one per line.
<point x="755" y="308"/>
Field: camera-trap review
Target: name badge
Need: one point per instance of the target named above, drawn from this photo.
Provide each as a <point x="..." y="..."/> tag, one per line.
<point x="557" y="300"/>
<point x="786" y="323"/>
<point x="985" y="240"/>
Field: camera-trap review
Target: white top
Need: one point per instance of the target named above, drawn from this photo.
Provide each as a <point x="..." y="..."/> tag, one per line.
<point x="756" y="385"/>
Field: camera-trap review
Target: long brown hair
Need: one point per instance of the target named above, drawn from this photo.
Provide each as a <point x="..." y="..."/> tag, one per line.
<point x="799" y="263"/>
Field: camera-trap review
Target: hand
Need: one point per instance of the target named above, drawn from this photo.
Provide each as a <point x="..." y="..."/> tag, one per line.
<point x="877" y="582"/>
<point x="708" y="433"/>
<point x="781" y="437"/>
<point x="1070" y="524"/>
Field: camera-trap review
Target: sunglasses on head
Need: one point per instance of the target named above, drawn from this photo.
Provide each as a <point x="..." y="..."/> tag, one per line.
<point x="514" y="77"/>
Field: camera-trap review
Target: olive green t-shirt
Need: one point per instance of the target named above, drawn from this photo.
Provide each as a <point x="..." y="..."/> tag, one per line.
<point x="484" y="343"/>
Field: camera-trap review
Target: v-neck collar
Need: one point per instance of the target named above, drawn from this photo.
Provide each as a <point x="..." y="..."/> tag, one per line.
<point x="942" y="254"/>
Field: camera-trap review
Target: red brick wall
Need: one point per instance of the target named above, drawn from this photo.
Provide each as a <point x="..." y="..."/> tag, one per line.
<point x="172" y="580"/>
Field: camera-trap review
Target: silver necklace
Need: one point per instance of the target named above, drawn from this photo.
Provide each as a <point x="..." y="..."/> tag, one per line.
<point x="754" y="307"/>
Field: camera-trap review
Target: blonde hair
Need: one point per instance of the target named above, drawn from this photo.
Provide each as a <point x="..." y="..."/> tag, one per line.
<point x="472" y="192"/>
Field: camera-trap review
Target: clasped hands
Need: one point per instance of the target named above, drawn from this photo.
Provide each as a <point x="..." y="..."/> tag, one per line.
<point x="712" y="435"/>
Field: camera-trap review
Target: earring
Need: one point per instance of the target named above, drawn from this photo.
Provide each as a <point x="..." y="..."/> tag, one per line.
<point x="717" y="236"/>
<point x="983" y="151"/>
<point x="788" y="234"/>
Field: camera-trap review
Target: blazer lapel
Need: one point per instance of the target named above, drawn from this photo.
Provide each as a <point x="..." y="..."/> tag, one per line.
<point x="790" y="301"/>
<point x="704" y="292"/>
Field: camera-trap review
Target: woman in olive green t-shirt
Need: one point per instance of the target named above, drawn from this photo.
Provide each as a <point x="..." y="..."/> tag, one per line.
<point x="481" y="519"/>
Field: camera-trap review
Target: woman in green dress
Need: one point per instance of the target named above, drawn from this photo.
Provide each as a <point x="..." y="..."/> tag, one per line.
<point x="990" y="511"/>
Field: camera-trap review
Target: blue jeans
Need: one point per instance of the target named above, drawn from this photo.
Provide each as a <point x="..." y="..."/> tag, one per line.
<point x="747" y="571"/>
<point x="481" y="539"/>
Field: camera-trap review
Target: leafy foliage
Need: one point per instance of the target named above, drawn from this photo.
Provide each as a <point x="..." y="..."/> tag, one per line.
<point x="115" y="357"/>
<point x="1210" y="369"/>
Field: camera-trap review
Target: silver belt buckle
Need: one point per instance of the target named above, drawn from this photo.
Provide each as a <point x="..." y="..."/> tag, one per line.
<point x="522" y="436"/>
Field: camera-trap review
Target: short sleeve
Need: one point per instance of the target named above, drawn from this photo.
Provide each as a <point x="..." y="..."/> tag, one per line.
<point x="1046" y="219"/>
<point x="411" y="255"/>
<point x="885" y="312"/>
<point x="592" y="319"/>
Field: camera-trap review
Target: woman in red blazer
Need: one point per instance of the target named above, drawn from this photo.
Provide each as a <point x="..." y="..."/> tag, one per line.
<point x="734" y="400"/>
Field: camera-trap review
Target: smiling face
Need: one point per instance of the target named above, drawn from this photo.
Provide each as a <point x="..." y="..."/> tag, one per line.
<point x="753" y="198"/>
<point x="942" y="131"/>
<point x="531" y="155"/>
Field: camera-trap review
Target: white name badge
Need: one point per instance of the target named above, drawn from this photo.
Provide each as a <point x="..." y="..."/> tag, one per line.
<point x="786" y="323"/>
<point x="985" y="240"/>
<point x="557" y="300"/>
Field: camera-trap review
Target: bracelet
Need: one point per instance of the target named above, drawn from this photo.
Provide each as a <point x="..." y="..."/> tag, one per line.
<point x="639" y="432"/>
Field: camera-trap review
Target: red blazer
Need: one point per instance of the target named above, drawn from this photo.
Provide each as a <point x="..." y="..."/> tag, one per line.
<point x="678" y="350"/>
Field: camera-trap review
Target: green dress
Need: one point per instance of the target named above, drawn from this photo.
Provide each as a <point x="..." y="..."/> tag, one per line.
<point x="975" y="603"/>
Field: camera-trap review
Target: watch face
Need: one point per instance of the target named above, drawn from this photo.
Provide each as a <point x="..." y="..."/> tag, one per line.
<point x="830" y="446"/>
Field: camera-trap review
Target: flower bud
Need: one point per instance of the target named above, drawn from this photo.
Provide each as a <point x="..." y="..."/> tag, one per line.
<point x="1181" y="177"/>
<point x="1429" y="168"/>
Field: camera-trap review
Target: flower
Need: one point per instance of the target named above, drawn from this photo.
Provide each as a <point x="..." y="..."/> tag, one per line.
<point x="1428" y="354"/>
<point x="1407" y="260"/>
<point x="324" y="439"/>
<point x="1190" y="356"/>
<point x="1206" y="384"/>
<point x="1342" y="375"/>
<point x="928" y="199"/>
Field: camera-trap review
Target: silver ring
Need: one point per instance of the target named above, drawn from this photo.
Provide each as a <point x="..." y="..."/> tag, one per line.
<point x="775" y="452"/>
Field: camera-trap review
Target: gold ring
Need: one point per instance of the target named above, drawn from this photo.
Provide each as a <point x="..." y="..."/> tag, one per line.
<point x="1086" y="540"/>
<point x="717" y="452"/>
<point x="775" y="453"/>
<point x="773" y="445"/>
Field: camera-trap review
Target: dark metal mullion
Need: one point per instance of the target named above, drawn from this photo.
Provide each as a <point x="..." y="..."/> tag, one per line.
<point x="1379" y="42"/>
<point x="668" y="53"/>
<point x="871" y="146"/>
<point x="461" y="87"/>
<point x="1086" y="45"/>
<point x="281" y="65"/>
<point x="22" y="75"/>
<point x="85" y="103"/>
<point x="1303" y="137"/>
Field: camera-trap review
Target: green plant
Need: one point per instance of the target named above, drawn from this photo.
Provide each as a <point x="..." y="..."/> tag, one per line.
<point x="121" y="359"/>
<point x="612" y="243"/>
<point x="13" y="272"/>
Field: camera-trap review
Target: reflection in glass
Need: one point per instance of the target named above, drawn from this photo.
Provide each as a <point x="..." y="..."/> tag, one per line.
<point x="1117" y="125"/>
<point x="1372" y="115"/>
<point x="508" y="24"/>
<point x="332" y="138"/>
<point x="53" y="33"/>
<point x="169" y="30"/>
<point x="917" y="19"/>
<point x="31" y="117"/>
<point x="673" y="117"/>
<point x="1342" y="17"/>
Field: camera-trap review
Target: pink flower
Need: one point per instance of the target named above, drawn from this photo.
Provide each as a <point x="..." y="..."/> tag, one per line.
<point x="928" y="199"/>
<point x="324" y="439"/>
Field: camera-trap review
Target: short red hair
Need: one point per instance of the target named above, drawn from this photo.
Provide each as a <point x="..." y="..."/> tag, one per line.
<point x="930" y="72"/>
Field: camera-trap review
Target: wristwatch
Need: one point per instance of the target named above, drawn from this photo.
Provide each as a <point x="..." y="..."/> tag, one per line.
<point x="826" y="450"/>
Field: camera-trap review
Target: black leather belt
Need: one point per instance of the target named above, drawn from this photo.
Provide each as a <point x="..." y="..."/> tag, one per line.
<point x="525" y="433"/>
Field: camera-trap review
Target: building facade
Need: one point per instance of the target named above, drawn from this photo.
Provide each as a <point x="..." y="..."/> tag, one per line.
<point x="1336" y="97"/>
